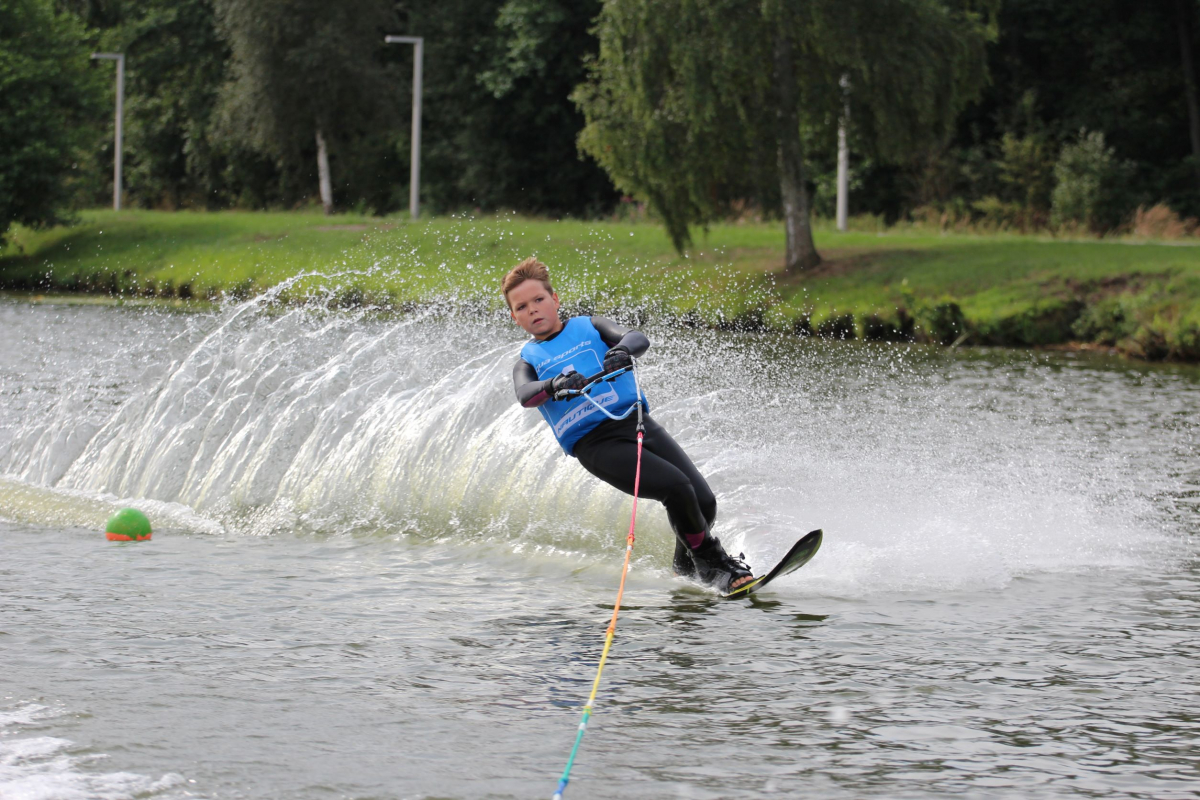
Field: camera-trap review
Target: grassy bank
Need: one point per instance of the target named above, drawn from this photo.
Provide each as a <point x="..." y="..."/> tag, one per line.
<point x="1141" y="298"/>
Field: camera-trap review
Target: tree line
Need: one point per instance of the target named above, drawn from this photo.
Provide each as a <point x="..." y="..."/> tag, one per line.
<point x="1021" y="114"/>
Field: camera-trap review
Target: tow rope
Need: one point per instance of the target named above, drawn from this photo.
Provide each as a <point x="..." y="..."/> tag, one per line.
<point x="612" y="625"/>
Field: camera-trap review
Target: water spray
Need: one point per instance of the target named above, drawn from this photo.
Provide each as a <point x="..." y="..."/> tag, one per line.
<point x="612" y="624"/>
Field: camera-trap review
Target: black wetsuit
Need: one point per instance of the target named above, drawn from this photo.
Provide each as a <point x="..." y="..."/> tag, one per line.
<point x="609" y="451"/>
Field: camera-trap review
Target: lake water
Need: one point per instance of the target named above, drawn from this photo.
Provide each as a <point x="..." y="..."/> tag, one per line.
<point x="374" y="576"/>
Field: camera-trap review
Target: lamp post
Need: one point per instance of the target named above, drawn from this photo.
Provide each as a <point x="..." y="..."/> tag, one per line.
<point x="414" y="172"/>
<point x="843" y="158"/>
<point x="120" y="59"/>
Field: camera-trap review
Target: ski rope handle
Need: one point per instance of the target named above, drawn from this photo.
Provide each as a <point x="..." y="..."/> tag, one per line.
<point x="612" y="625"/>
<point x="605" y="377"/>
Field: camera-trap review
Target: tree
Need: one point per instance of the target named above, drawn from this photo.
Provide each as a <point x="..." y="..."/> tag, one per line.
<point x="1087" y="73"/>
<point x="48" y="99"/>
<point x="692" y="104"/>
<point x="1183" y="21"/>
<point x="176" y="65"/>
<point x="306" y="75"/>
<point x="500" y="127"/>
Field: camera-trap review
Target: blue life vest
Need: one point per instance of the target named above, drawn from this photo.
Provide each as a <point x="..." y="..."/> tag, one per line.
<point x="579" y="345"/>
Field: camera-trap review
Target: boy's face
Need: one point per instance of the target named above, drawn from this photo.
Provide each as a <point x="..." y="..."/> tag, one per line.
<point x="534" y="308"/>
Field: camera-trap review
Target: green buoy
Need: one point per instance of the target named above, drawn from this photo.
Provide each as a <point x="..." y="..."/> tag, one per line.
<point x="128" y="525"/>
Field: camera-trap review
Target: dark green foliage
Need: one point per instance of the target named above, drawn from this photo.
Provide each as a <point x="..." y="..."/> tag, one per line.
<point x="684" y="101"/>
<point x="748" y="320"/>
<point x="49" y="97"/>
<point x="1106" y="322"/>
<point x="1026" y="170"/>
<point x="802" y="325"/>
<point x="1062" y="66"/>
<point x="882" y="328"/>
<point x="1091" y="185"/>
<point x="669" y="104"/>
<point x="499" y="129"/>
<point x="682" y="95"/>
<point x="942" y="322"/>
<point x="1050" y="322"/>
<point x="838" y="326"/>
<point x="177" y="64"/>
<point x="303" y="66"/>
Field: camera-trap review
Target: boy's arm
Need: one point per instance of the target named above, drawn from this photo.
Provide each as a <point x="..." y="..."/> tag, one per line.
<point x="614" y="335"/>
<point x="531" y="392"/>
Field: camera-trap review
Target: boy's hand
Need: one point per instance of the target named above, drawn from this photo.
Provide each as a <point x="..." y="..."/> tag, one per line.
<point x="617" y="358"/>
<point x="572" y="381"/>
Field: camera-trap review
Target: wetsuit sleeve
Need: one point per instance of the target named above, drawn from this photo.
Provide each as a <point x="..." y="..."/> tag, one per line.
<point x="613" y="334"/>
<point x="531" y="392"/>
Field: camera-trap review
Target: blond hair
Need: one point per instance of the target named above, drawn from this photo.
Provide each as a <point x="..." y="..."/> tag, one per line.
<point x="528" y="270"/>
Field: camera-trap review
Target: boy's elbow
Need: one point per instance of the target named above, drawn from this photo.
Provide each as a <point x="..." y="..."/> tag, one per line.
<point x="636" y="342"/>
<point x="536" y="400"/>
<point x="532" y="396"/>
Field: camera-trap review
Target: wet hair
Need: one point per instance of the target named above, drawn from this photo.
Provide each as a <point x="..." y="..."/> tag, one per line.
<point x="528" y="270"/>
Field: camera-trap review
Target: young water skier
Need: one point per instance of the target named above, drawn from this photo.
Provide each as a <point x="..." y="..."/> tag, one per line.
<point x="556" y="360"/>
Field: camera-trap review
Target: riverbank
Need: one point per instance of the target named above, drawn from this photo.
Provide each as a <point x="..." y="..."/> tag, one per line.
<point x="1138" y="298"/>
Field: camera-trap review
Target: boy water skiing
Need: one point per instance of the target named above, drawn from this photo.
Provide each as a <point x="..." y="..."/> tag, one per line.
<point x="557" y="360"/>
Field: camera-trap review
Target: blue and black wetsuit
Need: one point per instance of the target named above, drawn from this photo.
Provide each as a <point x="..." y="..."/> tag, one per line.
<point x="608" y="448"/>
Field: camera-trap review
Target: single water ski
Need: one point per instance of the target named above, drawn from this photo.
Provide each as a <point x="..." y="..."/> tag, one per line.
<point x="800" y="554"/>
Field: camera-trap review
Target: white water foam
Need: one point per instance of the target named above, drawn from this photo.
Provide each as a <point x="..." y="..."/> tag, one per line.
<point x="38" y="767"/>
<point x="66" y="507"/>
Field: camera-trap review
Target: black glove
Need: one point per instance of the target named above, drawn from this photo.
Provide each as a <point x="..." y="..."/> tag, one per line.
<point x="617" y="358"/>
<point x="568" y="380"/>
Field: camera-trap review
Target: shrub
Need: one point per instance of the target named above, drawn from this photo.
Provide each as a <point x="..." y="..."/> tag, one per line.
<point x="752" y="320"/>
<point x="1147" y="342"/>
<point x="1027" y="169"/>
<point x="1184" y="341"/>
<point x="943" y="322"/>
<point x="878" y="328"/>
<point x="996" y="214"/>
<point x="1050" y="322"/>
<point x="346" y="297"/>
<point x="1089" y="189"/>
<point x="837" y="326"/>
<point x="1107" y="322"/>
<point x="802" y="325"/>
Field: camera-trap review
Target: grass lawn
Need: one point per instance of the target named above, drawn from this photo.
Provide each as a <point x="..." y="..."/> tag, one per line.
<point x="1142" y="298"/>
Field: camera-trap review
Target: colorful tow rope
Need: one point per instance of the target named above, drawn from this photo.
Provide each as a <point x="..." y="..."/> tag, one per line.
<point x="612" y="625"/>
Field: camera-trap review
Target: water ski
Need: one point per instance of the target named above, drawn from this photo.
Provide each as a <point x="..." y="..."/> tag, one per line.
<point x="800" y="554"/>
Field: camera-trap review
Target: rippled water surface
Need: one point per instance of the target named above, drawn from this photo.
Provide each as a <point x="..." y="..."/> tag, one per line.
<point x="374" y="576"/>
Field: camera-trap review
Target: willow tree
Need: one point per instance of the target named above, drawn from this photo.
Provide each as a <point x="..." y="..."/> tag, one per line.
<point x="692" y="105"/>
<point x="305" y="74"/>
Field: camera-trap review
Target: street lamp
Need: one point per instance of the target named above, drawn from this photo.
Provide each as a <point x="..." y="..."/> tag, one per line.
<point x="843" y="157"/>
<point x="120" y="59"/>
<point x="414" y="172"/>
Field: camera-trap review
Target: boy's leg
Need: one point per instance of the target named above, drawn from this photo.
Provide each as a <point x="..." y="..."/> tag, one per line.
<point x="669" y="476"/>
<point x="612" y="457"/>
<point x="708" y="560"/>
<point x="663" y="445"/>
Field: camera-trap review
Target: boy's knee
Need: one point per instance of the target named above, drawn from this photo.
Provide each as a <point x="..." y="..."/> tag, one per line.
<point x="707" y="502"/>
<point x="681" y="493"/>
